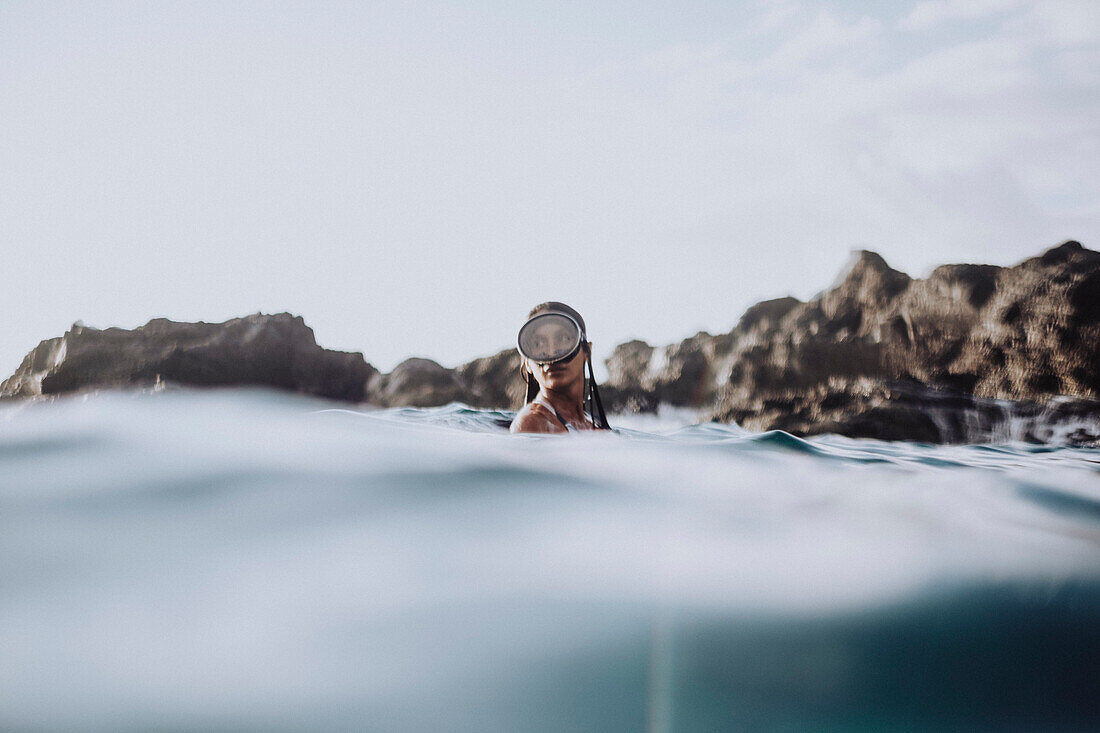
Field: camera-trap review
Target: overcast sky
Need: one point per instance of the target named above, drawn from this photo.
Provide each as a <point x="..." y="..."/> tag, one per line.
<point x="411" y="177"/>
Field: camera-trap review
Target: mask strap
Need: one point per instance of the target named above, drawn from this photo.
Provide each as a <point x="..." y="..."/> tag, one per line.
<point x="594" y="398"/>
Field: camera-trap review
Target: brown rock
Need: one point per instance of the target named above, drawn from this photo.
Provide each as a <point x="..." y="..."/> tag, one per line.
<point x="1029" y="332"/>
<point x="268" y="350"/>
<point x="419" y="382"/>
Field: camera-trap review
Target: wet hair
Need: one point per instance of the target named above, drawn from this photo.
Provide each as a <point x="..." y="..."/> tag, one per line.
<point x="553" y="306"/>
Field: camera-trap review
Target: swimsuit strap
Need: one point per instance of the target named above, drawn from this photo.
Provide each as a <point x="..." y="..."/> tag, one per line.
<point x="546" y="403"/>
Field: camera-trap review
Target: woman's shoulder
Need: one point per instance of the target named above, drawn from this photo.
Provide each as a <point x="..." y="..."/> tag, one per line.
<point x="534" y="418"/>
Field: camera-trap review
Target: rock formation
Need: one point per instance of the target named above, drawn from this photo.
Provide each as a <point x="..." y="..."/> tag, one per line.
<point x="272" y="351"/>
<point x="263" y="350"/>
<point x="873" y="355"/>
<point x="491" y="382"/>
<point x="971" y="352"/>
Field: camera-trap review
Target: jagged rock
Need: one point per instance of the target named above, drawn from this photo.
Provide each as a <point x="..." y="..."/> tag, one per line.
<point x="629" y="365"/>
<point x="1028" y="332"/>
<point x="642" y="377"/>
<point x="766" y="314"/>
<point x="490" y="382"/>
<point x="420" y="382"/>
<point x="493" y="381"/>
<point x="269" y="350"/>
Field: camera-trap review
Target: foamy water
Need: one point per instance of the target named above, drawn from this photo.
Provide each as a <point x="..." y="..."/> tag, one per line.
<point x="251" y="560"/>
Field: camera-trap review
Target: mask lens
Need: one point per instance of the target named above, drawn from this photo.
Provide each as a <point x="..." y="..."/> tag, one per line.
<point x="549" y="337"/>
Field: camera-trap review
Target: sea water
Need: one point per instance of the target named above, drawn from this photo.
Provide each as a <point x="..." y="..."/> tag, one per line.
<point x="248" y="560"/>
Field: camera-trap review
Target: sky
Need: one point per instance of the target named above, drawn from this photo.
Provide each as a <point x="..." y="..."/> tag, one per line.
<point x="411" y="177"/>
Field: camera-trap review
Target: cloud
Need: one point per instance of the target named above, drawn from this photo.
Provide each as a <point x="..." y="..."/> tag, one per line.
<point x="889" y="126"/>
<point x="933" y="13"/>
<point x="1063" y="24"/>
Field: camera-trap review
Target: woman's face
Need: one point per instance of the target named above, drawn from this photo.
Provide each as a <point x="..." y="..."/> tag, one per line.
<point x="550" y="339"/>
<point x="561" y="375"/>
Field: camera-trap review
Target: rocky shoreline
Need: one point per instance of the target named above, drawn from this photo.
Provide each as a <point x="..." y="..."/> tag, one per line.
<point x="971" y="353"/>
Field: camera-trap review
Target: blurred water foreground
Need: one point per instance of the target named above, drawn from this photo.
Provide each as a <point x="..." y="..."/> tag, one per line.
<point x="251" y="560"/>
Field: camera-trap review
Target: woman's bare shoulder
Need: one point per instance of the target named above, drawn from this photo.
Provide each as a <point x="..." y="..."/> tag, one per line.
<point x="534" y="418"/>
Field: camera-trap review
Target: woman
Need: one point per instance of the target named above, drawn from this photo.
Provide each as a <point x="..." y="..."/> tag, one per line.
<point x="555" y="351"/>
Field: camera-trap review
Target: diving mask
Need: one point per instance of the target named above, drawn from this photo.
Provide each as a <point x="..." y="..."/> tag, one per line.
<point x="549" y="338"/>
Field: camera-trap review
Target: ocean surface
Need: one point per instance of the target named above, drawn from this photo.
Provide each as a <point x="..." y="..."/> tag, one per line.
<point x="248" y="560"/>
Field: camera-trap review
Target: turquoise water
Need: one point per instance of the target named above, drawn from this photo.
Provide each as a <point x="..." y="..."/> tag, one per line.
<point x="248" y="560"/>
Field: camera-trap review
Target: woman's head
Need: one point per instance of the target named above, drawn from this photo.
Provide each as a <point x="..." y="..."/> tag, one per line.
<point x="552" y="334"/>
<point x="554" y="350"/>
